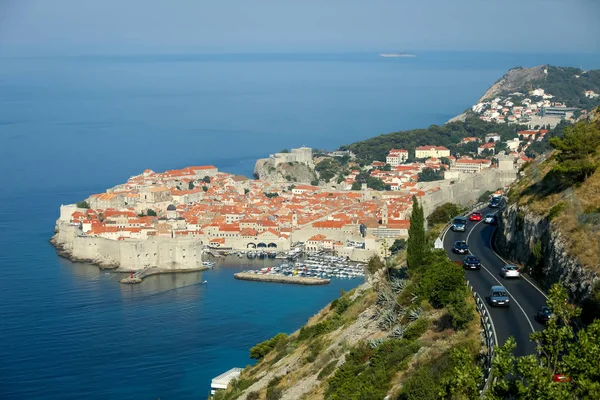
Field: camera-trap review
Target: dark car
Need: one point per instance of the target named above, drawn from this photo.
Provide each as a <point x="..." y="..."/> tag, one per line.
<point x="499" y="297"/>
<point x="471" y="262"/>
<point x="461" y="247"/>
<point x="495" y="202"/>
<point x="544" y="314"/>
<point x="459" y="224"/>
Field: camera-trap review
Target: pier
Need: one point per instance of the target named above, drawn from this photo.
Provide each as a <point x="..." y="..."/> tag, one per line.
<point x="138" y="276"/>
<point x="298" y="280"/>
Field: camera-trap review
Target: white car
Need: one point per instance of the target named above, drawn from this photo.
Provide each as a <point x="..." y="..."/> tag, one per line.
<point x="490" y="219"/>
<point x="510" y="271"/>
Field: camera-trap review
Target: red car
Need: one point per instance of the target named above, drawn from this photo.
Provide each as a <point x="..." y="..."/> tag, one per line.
<point x="476" y="216"/>
<point x="561" y="378"/>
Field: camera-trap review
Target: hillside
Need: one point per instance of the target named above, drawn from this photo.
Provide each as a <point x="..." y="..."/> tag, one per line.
<point x="407" y="332"/>
<point x="566" y="84"/>
<point x="515" y="80"/>
<point x="448" y="135"/>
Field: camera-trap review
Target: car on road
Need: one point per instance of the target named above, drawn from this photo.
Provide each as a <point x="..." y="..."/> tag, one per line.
<point x="476" y="216"/>
<point x="499" y="297"/>
<point x="471" y="262"/>
<point x="459" y="224"/>
<point x="460" y="247"/>
<point x="495" y="202"/>
<point x="489" y="219"/>
<point x="510" y="271"/>
<point x="544" y="314"/>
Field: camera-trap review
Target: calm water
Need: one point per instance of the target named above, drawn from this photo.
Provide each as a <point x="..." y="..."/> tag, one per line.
<point x="71" y="127"/>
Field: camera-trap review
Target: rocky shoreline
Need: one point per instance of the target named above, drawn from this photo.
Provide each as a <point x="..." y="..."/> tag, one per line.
<point x="298" y="280"/>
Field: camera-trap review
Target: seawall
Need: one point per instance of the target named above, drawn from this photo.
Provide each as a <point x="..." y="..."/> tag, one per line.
<point x="298" y="280"/>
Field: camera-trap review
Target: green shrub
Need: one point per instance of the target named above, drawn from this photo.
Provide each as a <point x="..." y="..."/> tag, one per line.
<point x="375" y="264"/>
<point x="440" y="280"/>
<point x="422" y="385"/>
<point x="329" y="325"/>
<point x="262" y="349"/>
<point x="314" y="349"/>
<point x="273" y="392"/>
<point x="340" y="304"/>
<point x="254" y="395"/>
<point x="444" y="213"/>
<point x="461" y="312"/>
<point x="453" y="375"/>
<point x="367" y="372"/>
<point x="556" y="210"/>
<point x="416" y="329"/>
<point x="327" y="370"/>
<point x="83" y="204"/>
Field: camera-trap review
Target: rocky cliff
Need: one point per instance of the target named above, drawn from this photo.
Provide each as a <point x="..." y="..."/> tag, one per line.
<point x="537" y="243"/>
<point x="267" y="170"/>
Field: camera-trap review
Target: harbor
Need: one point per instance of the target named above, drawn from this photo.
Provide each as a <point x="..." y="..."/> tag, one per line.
<point x="316" y="269"/>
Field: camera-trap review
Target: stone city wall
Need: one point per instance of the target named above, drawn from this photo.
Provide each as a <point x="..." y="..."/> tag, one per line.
<point x="128" y="254"/>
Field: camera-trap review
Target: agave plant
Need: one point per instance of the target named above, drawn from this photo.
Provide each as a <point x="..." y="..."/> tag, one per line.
<point x="415" y="314"/>
<point x="374" y="343"/>
<point x="398" y="331"/>
<point x="385" y="297"/>
<point x="388" y="319"/>
<point x="414" y="298"/>
<point x="398" y="285"/>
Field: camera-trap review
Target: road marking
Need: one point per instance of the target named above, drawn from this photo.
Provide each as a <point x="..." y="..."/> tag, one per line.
<point x="500" y="283"/>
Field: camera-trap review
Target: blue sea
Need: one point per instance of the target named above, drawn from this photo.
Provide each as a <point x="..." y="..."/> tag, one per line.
<point x="72" y="126"/>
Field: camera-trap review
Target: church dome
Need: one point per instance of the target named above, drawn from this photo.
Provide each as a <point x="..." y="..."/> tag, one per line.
<point x="171" y="207"/>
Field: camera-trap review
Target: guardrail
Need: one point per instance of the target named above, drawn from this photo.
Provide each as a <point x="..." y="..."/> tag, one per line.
<point x="490" y="337"/>
<point x="486" y="319"/>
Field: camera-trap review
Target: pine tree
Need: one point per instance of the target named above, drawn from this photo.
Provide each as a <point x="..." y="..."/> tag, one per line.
<point x="416" y="247"/>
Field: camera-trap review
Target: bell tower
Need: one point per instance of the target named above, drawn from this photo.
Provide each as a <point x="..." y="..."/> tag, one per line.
<point x="384" y="214"/>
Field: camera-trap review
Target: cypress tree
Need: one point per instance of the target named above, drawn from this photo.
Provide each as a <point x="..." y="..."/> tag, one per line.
<point x="416" y="246"/>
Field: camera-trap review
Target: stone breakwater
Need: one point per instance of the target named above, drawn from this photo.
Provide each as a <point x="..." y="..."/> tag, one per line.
<point x="298" y="280"/>
<point x="129" y="254"/>
<point x="532" y="240"/>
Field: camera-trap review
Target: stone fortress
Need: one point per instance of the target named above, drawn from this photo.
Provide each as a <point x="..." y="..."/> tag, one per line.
<point x="301" y="155"/>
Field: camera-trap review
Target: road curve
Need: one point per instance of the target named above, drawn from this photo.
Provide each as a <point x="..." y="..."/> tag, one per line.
<point x="518" y="320"/>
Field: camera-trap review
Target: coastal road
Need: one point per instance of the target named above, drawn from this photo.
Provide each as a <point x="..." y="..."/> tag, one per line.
<point x="517" y="320"/>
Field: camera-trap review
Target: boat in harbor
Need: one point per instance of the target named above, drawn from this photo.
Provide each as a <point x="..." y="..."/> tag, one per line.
<point x="208" y="264"/>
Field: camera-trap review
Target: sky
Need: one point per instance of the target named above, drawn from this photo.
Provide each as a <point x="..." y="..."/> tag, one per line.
<point x="174" y="26"/>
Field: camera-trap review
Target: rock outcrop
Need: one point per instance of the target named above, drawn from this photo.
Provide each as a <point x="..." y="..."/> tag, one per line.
<point x="515" y="79"/>
<point x="533" y="241"/>
<point x="268" y="170"/>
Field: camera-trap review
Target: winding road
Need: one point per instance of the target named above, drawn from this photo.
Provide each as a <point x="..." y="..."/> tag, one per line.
<point x="517" y="320"/>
